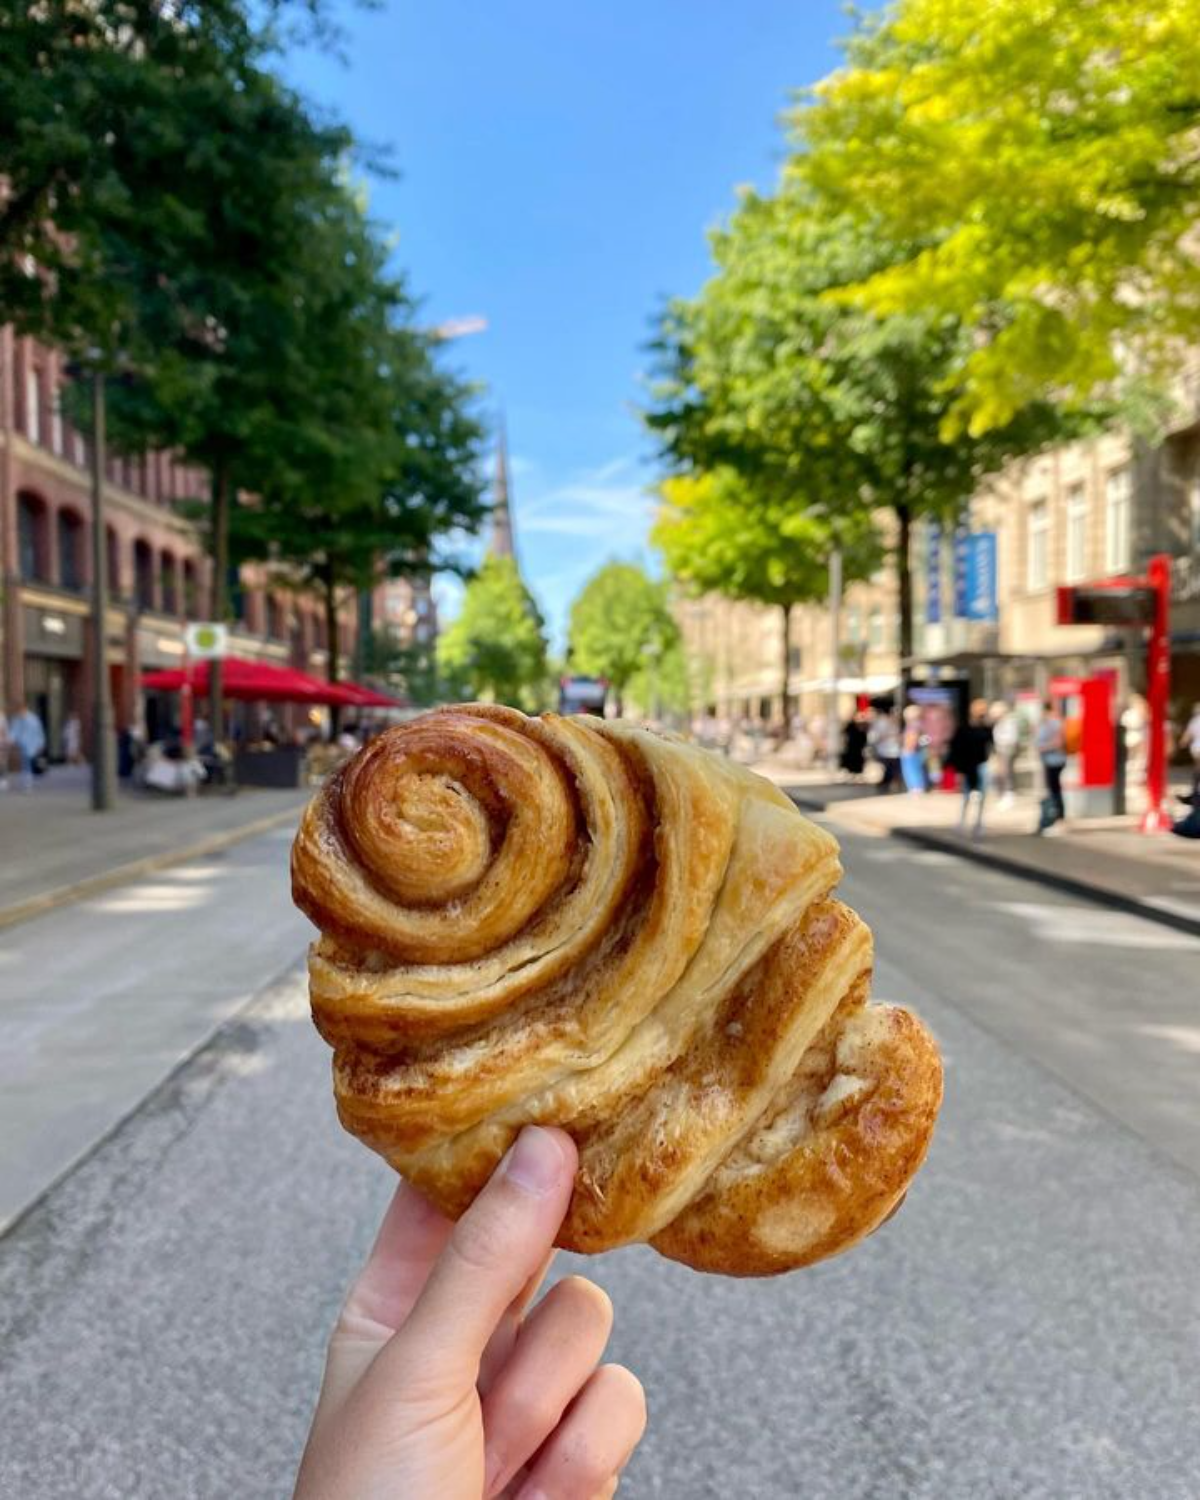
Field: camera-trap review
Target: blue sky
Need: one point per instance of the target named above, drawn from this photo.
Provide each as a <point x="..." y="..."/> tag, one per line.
<point x="560" y="163"/>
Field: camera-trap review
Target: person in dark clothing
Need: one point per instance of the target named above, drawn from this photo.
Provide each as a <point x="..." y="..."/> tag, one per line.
<point x="854" y="746"/>
<point x="969" y="751"/>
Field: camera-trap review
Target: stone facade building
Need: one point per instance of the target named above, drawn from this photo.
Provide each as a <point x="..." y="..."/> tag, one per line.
<point x="158" y="573"/>
<point x="1081" y="512"/>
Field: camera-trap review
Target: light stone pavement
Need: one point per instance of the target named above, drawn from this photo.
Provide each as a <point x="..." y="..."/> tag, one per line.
<point x="1026" y="1327"/>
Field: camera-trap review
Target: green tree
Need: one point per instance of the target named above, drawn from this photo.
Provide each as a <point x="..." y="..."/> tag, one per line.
<point x="1037" y="165"/>
<point x="718" y="538"/>
<point x="620" y="614"/>
<point x="409" y="669"/>
<point x="496" y="648"/>
<point x="820" y="407"/>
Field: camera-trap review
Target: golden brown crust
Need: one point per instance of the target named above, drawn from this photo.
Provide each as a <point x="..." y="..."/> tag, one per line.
<point x="575" y="922"/>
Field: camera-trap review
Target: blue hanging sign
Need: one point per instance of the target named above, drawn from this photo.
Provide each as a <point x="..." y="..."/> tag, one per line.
<point x="981" y="593"/>
<point x="962" y="554"/>
<point x="933" y="574"/>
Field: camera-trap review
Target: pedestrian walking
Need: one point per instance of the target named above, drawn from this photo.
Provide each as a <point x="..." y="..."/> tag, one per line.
<point x="912" y="751"/>
<point x="1006" y="738"/>
<point x="883" y="737"/>
<point x="854" y="746"/>
<point x="1051" y="747"/>
<point x="28" y="735"/>
<point x="72" y="738"/>
<point x="1190" y="740"/>
<point x="968" y="754"/>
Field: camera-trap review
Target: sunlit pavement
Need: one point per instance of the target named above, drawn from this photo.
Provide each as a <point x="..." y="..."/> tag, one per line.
<point x="1027" y="1326"/>
<point x="99" y="1000"/>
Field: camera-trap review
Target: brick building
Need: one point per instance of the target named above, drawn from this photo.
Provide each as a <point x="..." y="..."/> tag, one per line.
<point x="158" y="574"/>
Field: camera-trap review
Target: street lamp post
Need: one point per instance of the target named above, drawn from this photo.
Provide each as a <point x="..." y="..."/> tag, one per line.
<point x="104" y="786"/>
<point x="833" y="733"/>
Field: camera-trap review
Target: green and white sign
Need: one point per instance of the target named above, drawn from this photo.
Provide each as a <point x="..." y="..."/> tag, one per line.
<point x="206" y="640"/>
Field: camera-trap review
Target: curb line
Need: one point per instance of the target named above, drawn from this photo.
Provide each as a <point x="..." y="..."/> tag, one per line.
<point x="91" y="885"/>
<point x="1067" y="884"/>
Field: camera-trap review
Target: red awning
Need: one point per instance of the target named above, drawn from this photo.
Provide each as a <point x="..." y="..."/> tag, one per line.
<point x="248" y="680"/>
<point x="356" y="695"/>
<point x="260" y="681"/>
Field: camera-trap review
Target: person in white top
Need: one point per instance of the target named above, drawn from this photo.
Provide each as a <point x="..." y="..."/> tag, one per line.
<point x="1190" y="740"/>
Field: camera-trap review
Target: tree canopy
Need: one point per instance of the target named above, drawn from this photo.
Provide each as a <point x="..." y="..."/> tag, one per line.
<point x="620" y="615"/>
<point x="1035" y="167"/>
<point x="717" y="538"/>
<point x="496" y="648"/>
<point x="822" y="408"/>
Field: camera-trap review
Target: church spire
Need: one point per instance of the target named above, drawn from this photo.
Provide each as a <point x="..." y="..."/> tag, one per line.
<point x="502" y="544"/>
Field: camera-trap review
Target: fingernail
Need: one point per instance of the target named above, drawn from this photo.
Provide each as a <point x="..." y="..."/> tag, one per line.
<point x="535" y="1163"/>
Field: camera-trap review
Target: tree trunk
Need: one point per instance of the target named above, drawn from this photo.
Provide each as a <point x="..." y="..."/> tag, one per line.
<point x="220" y="592"/>
<point x="786" y="664"/>
<point x="333" y="659"/>
<point x="904" y="579"/>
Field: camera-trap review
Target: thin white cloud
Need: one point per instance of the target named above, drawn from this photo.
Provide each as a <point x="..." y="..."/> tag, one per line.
<point x="605" y="503"/>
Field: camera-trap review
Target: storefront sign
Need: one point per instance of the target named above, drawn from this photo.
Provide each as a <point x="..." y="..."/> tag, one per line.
<point x="933" y="576"/>
<point x="962" y="553"/>
<point x="49" y="633"/>
<point x="981" y="577"/>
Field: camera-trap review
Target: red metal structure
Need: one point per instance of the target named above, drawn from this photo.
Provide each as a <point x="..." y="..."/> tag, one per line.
<point x="1132" y="602"/>
<point x="1157" y="819"/>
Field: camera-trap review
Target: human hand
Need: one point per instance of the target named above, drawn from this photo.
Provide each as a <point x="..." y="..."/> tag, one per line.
<point x="437" y="1387"/>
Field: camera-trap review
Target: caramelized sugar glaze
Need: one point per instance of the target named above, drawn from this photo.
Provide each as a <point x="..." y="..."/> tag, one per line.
<point x="574" y="922"/>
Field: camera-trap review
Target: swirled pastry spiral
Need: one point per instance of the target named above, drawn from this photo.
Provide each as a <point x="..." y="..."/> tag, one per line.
<point x="575" y="922"/>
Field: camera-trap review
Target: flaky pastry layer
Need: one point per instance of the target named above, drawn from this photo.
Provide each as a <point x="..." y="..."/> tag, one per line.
<point x="579" y="923"/>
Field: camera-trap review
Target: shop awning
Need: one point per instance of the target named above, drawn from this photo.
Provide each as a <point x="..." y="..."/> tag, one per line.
<point x="356" y="695"/>
<point x="250" y="681"/>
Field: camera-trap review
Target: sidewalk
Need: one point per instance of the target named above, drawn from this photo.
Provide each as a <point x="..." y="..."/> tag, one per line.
<point x="54" y="849"/>
<point x="1101" y="859"/>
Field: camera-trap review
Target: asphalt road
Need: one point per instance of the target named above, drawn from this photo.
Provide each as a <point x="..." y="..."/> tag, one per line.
<point x="100" y="999"/>
<point x="1028" y="1326"/>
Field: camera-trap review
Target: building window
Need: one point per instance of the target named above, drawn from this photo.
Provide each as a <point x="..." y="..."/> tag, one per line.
<point x="167" y="591"/>
<point x="56" y="424"/>
<point x="1037" y="572"/>
<point x="33" y="404"/>
<point x="875" y="629"/>
<point x="191" y="593"/>
<point x="32" y="538"/>
<point x="143" y="575"/>
<point x="114" y="563"/>
<point x="793" y="655"/>
<point x="1118" y="498"/>
<point x="274" y="618"/>
<point x="70" y="550"/>
<point x="854" y="624"/>
<point x="1077" y="533"/>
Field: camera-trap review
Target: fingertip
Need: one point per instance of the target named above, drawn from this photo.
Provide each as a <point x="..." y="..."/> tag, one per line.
<point x="541" y="1160"/>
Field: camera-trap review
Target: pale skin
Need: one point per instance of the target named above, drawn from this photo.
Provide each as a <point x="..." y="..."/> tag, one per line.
<point x="440" y="1382"/>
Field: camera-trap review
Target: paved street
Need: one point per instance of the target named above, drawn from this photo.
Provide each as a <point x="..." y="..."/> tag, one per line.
<point x="1026" y="1327"/>
<point x="100" y="999"/>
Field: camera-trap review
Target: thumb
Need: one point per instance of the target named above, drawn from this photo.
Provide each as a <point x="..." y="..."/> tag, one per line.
<point x="495" y="1248"/>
